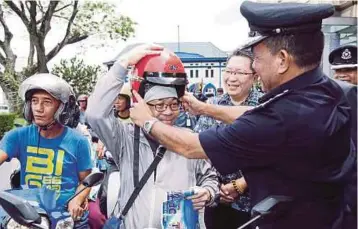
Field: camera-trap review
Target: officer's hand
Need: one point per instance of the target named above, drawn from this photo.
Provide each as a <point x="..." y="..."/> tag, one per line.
<point x="201" y="198"/>
<point x="75" y="209"/>
<point x="193" y="105"/>
<point x="140" y="111"/>
<point x="138" y="52"/>
<point x="228" y="193"/>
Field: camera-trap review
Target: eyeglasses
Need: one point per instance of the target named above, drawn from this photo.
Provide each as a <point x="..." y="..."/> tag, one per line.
<point x="232" y="72"/>
<point x="161" y="107"/>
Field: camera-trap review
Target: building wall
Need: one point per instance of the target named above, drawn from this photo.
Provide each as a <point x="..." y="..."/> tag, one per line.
<point x="335" y="28"/>
<point x="210" y="72"/>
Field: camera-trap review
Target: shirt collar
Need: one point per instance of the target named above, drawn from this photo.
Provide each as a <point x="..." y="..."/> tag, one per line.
<point x="298" y="82"/>
<point x="251" y="100"/>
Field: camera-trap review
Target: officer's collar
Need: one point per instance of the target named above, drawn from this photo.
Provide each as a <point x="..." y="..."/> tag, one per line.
<point x="298" y="82"/>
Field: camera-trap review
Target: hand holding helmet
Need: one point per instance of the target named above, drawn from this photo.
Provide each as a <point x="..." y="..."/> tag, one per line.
<point x="192" y="104"/>
<point x="134" y="55"/>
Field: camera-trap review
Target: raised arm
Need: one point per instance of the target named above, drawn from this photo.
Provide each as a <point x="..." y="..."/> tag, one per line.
<point x="99" y="111"/>
<point x="227" y="114"/>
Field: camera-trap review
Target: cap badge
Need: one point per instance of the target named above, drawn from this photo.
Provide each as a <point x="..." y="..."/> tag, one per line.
<point x="346" y="54"/>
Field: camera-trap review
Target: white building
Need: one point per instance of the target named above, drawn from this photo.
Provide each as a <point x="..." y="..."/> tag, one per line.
<point x="203" y="62"/>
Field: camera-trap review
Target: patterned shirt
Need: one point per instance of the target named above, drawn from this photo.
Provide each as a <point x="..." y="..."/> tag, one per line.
<point x="206" y="122"/>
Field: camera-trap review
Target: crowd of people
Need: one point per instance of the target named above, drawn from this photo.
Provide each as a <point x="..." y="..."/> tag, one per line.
<point x="296" y="137"/>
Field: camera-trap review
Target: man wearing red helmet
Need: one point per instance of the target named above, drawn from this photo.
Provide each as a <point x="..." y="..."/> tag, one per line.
<point x="160" y="79"/>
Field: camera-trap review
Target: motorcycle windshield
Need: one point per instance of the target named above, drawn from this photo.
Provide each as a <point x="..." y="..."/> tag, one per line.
<point x="40" y="198"/>
<point x="31" y="195"/>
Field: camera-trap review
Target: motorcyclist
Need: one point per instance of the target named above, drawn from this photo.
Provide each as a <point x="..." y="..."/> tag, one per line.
<point x="82" y="102"/>
<point x="51" y="154"/>
<point x="123" y="103"/>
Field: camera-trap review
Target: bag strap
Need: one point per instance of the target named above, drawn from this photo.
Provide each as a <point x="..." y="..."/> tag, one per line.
<point x="136" y="156"/>
<point x="143" y="180"/>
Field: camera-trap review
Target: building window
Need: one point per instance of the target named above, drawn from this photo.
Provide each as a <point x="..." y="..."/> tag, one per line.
<point x="209" y="67"/>
<point x="191" y="64"/>
<point x="197" y="73"/>
<point x="212" y="64"/>
<point x="206" y="64"/>
<point x="206" y="73"/>
<point x="196" y="64"/>
<point x="191" y="73"/>
<point x="212" y="73"/>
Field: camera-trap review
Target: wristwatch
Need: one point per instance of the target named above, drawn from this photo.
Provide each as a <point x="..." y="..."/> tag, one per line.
<point x="147" y="127"/>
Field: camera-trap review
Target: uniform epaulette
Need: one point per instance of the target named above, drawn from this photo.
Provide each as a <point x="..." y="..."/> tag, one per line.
<point x="274" y="98"/>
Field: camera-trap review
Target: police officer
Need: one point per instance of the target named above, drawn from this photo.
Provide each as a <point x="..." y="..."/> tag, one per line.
<point x="344" y="63"/>
<point x="297" y="141"/>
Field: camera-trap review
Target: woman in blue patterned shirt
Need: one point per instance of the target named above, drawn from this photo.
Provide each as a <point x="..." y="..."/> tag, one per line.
<point x="239" y="79"/>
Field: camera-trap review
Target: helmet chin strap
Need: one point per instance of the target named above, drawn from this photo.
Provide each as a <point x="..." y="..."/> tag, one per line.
<point x="47" y="126"/>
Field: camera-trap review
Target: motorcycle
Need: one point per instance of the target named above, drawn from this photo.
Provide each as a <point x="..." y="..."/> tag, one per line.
<point x="269" y="209"/>
<point x="36" y="208"/>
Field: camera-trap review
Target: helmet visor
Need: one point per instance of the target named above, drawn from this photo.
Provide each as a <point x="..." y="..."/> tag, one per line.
<point x="166" y="78"/>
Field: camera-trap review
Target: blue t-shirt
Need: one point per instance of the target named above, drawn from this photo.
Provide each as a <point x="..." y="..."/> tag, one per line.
<point x="53" y="163"/>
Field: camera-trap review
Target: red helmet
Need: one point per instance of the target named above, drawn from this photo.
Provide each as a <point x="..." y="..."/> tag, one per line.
<point x="165" y="69"/>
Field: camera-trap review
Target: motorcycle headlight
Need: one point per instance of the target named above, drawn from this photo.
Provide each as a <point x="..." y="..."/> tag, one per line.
<point x="12" y="224"/>
<point x="65" y="223"/>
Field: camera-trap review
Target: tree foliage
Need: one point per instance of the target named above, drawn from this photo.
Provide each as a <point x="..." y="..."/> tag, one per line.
<point x="80" y="76"/>
<point x="78" y="20"/>
<point x="6" y="123"/>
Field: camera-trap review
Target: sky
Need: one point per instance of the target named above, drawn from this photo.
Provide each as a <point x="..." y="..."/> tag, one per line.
<point x="219" y="22"/>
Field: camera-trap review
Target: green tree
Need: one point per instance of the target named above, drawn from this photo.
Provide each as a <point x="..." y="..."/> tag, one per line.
<point x="79" y="21"/>
<point x="80" y="76"/>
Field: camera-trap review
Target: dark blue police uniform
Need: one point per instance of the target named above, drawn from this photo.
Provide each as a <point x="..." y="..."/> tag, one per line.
<point x="297" y="142"/>
<point x="345" y="57"/>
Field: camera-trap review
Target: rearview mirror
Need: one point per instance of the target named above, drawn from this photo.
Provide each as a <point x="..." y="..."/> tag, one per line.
<point x="269" y="208"/>
<point x="272" y="205"/>
<point x="93" y="179"/>
<point x="19" y="209"/>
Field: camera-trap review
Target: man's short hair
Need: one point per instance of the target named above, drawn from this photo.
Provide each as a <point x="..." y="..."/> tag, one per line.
<point x="243" y="53"/>
<point x="305" y="48"/>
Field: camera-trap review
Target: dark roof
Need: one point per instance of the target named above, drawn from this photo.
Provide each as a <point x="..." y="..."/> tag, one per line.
<point x="187" y="49"/>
